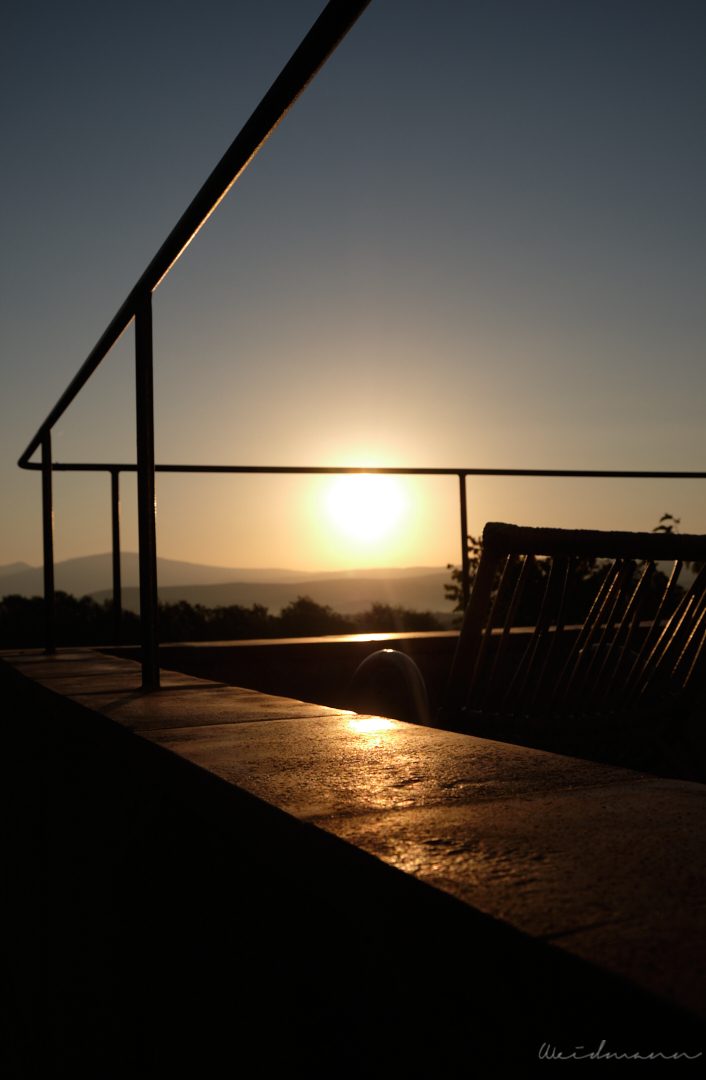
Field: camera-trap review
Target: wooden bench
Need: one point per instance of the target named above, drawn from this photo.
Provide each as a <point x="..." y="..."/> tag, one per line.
<point x="617" y="685"/>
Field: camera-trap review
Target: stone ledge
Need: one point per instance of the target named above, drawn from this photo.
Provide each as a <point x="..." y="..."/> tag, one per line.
<point x="605" y="863"/>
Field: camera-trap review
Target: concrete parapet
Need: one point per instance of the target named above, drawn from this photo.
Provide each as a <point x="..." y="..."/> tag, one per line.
<point x="204" y="864"/>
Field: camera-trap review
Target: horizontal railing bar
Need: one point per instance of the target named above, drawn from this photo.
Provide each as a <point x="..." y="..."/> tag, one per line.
<point x="616" y="474"/>
<point x="327" y="32"/>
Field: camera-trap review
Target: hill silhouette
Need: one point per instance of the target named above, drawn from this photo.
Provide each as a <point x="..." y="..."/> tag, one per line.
<point x="347" y="591"/>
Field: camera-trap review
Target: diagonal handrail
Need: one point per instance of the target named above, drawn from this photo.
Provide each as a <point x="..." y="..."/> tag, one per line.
<point x="325" y="35"/>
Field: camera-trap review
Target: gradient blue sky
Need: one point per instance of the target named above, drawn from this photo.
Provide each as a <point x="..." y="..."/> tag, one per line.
<point x="476" y="240"/>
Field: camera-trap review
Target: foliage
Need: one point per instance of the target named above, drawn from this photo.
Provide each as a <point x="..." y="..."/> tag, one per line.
<point x="454" y="589"/>
<point x="182" y="621"/>
<point x="85" y="622"/>
<point x="384" y="619"/>
<point x="305" y="618"/>
<point x="670" y="524"/>
<point x="79" y="622"/>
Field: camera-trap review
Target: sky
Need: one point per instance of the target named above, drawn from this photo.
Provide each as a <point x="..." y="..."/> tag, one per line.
<point x="477" y="240"/>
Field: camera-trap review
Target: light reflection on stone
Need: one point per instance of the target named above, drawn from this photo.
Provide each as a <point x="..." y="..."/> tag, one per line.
<point x="371" y="724"/>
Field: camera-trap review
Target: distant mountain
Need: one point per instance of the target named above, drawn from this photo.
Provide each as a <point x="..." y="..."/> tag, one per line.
<point x="14" y="568"/>
<point x="347" y="595"/>
<point x="347" y="591"/>
<point x="90" y="573"/>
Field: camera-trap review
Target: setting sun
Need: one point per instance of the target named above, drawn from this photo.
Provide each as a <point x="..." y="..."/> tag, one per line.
<point x="365" y="505"/>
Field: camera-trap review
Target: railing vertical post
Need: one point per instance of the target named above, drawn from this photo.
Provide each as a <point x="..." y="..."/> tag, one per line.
<point x="117" y="584"/>
<point x="48" y="539"/>
<point x="465" y="562"/>
<point x="146" y="502"/>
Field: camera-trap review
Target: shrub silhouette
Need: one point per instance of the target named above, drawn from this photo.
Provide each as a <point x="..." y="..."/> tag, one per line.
<point x="85" y="622"/>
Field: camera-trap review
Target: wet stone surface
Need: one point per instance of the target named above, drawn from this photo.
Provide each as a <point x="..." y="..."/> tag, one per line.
<point x="352" y="764"/>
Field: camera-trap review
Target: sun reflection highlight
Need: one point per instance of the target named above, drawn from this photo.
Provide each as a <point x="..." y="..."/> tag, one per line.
<point x="370" y="724"/>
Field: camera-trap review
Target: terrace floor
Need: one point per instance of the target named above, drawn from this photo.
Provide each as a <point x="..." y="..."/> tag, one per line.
<point x="600" y="863"/>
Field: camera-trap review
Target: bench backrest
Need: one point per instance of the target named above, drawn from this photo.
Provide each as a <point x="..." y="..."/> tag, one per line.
<point x="616" y="660"/>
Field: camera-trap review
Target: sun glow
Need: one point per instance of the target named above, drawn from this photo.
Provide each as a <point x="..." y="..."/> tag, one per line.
<point x="366" y="505"/>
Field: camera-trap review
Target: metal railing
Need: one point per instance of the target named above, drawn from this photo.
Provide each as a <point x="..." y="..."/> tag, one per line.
<point x="115" y="469"/>
<point x="325" y="35"/>
<point x="327" y="32"/>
